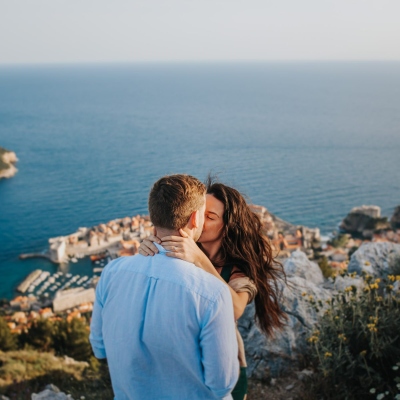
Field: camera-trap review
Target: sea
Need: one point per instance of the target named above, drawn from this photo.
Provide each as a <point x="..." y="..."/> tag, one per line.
<point x="307" y="140"/>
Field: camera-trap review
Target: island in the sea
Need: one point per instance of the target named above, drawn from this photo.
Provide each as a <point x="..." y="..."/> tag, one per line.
<point x="7" y="160"/>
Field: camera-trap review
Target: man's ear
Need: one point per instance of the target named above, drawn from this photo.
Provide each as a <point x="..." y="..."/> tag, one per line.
<point x="194" y="220"/>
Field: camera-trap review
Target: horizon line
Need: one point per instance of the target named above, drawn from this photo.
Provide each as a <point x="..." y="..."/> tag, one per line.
<point x="216" y="61"/>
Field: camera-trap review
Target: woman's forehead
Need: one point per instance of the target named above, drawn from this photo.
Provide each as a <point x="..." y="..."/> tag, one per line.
<point x="214" y="205"/>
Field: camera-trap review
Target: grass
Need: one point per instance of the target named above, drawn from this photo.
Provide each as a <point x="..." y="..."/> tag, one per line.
<point x="26" y="371"/>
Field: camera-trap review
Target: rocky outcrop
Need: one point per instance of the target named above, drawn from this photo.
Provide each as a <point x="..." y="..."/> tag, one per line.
<point x="299" y="265"/>
<point x="7" y="160"/>
<point x="364" y="221"/>
<point x="51" y="392"/>
<point x="374" y="258"/>
<point x="272" y="357"/>
<point x="395" y="220"/>
<point x="282" y="354"/>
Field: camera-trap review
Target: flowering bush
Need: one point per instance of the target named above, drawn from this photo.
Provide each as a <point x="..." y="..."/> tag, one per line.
<point x="355" y="347"/>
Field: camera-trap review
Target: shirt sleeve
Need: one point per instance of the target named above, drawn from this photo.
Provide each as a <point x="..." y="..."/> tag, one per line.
<point x="219" y="346"/>
<point x="96" y="325"/>
<point x="242" y="284"/>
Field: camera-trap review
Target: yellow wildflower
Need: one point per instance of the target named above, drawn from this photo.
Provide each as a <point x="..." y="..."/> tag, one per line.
<point x="397" y="277"/>
<point x="304" y="294"/>
<point x="368" y="278"/>
<point x="311" y="298"/>
<point x="390" y="287"/>
<point x="348" y="289"/>
<point x="336" y="317"/>
<point x="327" y="354"/>
<point x="379" y="298"/>
<point x="377" y="280"/>
<point x="374" y="286"/>
<point x="363" y="353"/>
<point x="391" y="278"/>
<point x="342" y="337"/>
<point x="313" y="339"/>
<point x="372" y="327"/>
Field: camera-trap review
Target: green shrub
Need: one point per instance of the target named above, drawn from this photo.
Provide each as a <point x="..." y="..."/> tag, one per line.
<point x="39" y="335"/>
<point x="72" y="339"/>
<point x="64" y="338"/>
<point x="355" y="347"/>
<point x="7" y="339"/>
<point x="340" y="241"/>
<point x="326" y="269"/>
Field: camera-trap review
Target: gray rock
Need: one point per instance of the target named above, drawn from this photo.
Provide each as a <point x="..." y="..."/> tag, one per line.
<point x="4" y="397"/>
<point x="364" y="220"/>
<point x="272" y="357"/>
<point x="305" y="373"/>
<point x="374" y="258"/>
<point x="50" y="394"/>
<point x="395" y="220"/>
<point x="52" y="387"/>
<point x="299" y="265"/>
<point x="342" y="282"/>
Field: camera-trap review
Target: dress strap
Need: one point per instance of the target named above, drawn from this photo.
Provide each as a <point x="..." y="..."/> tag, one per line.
<point x="226" y="272"/>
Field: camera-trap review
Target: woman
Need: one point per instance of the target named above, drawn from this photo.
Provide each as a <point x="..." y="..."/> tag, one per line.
<point x="233" y="248"/>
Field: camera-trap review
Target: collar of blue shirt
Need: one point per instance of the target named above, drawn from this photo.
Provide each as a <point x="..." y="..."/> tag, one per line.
<point x="160" y="248"/>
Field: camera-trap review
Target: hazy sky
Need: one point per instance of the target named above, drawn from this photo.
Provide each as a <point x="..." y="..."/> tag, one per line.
<point x="47" y="31"/>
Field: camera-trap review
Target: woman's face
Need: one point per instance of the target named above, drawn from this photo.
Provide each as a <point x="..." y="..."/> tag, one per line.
<point x="213" y="220"/>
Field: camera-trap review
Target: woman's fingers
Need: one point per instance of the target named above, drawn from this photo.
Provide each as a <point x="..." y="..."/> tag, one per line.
<point x="145" y="253"/>
<point x="175" y="255"/>
<point x="147" y="248"/>
<point x="183" y="233"/>
<point x="172" y="244"/>
<point x="153" y="238"/>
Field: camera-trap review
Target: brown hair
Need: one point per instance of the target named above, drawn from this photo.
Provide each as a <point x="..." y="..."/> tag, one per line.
<point x="172" y="200"/>
<point x="245" y="246"/>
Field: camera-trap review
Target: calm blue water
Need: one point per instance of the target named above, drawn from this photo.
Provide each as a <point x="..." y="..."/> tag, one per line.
<point x="307" y="140"/>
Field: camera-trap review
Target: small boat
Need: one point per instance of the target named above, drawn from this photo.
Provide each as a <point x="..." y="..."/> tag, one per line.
<point x="74" y="260"/>
<point x="97" y="257"/>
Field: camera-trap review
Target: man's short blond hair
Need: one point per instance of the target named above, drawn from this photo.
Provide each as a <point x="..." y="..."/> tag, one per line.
<point x="173" y="199"/>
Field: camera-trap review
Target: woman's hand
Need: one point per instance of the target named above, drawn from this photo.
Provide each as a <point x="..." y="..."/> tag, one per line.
<point x="147" y="247"/>
<point x="183" y="247"/>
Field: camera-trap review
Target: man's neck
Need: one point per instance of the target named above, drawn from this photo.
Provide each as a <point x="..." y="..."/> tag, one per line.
<point x="162" y="232"/>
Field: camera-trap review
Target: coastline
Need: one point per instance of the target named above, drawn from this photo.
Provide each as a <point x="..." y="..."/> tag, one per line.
<point x="7" y="160"/>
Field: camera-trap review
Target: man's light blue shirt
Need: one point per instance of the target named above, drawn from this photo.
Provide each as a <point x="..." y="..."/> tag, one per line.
<point x="166" y="328"/>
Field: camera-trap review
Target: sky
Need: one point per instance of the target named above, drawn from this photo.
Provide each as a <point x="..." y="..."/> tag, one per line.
<point x="86" y="31"/>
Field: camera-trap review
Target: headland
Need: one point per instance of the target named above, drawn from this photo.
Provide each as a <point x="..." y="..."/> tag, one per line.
<point x="7" y="160"/>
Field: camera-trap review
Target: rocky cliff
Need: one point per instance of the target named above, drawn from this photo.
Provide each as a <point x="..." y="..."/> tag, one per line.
<point x="363" y="221"/>
<point x="7" y="161"/>
<point x="283" y="354"/>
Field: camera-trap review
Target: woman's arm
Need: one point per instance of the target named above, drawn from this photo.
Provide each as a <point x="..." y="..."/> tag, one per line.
<point x="185" y="248"/>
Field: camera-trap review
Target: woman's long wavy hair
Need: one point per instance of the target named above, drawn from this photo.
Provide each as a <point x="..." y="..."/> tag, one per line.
<point x="245" y="246"/>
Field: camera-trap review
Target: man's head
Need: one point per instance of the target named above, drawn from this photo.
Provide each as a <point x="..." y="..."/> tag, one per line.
<point x="178" y="202"/>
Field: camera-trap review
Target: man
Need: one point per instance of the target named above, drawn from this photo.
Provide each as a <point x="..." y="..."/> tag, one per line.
<point x="165" y="326"/>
